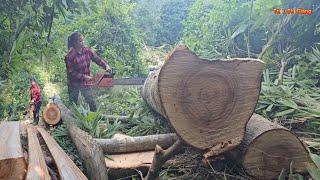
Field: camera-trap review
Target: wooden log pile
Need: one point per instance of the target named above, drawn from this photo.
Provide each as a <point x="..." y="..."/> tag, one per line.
<point x="210" y="104"/>
<point x="13" y="163"/>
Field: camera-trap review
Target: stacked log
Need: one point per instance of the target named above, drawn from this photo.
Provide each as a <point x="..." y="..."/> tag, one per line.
<point x="208" y="102"/>
<point x="37" y="167"/>
<point x="66" y="168"/>
<point x="12" y="162"/>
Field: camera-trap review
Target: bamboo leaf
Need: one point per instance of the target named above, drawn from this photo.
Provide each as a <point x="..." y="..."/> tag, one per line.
<point x="283" y="113"/>
<point x="316" y="159"/>
<point x="314" y="172"/>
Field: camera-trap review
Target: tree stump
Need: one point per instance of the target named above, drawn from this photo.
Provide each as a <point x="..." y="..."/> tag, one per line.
<point x="208" y="102"/>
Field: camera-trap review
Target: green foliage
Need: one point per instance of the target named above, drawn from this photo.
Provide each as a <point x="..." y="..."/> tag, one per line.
<point x="172" y="14"/>
<point x="91" y="122"/>
<point x="298" y="97"/>
<point x="221" y="28"/>
<point x="240" y="29"/>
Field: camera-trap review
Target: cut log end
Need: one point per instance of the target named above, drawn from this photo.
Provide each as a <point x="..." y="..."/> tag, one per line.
<point x="267" y="148"/>
<point x="274" y="150"/>
<point x="12" y="162"/>
<point x="208" y="102"/>
<point x="51" y="114"/>
<point x="13" y="168"/>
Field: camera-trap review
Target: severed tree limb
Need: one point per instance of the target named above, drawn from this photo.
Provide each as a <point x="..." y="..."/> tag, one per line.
<point x="136" y="144"/>
<point x="160" y="157"/>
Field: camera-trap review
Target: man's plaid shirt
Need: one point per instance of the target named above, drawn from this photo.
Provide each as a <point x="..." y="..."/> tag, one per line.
<point x="78" y="65"/>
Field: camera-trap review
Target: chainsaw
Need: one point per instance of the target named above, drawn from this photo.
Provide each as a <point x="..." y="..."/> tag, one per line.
<point x="107" y="79"/>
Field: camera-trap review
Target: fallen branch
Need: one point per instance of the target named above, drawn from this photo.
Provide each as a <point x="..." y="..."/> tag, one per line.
<point x="160" y="157"/>
<point x="136" y="144"/>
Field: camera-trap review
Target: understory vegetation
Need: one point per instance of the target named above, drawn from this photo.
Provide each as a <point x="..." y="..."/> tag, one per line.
<point x="135" y="35"/>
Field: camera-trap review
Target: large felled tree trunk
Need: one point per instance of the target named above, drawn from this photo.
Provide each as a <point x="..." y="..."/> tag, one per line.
<point x="208" y="102"/>
<point x="12" y="162"/>
<point x="267" y="148"/>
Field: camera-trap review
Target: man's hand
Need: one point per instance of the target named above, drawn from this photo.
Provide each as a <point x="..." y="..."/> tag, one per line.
<point x="87" y="78"/>
<point x="108" y="69"/>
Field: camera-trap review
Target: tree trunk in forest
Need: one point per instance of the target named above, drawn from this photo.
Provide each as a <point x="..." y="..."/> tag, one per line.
<point x="268" y="147"/>
<point x="37" y="167"/>
<point x="12" y="162"/>
<point x="66" y="167"/>
<point x="89" y="150"/>
<point x="208" y="102"/>
<point x="136" y="144"/>
<point x="51" y="114"/>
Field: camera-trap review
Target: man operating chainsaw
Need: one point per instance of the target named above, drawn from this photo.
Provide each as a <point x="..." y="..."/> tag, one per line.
<point x="78" y="69"/>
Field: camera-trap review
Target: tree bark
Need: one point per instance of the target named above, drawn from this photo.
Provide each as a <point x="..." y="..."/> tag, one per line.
<point x="67" y="169"/>
<point x="208" y="102"/>
<point x="89" y="150"/>
<point x="90" y="153"/>
<point x="37" y="167"/>
<point x="51" y="114"/>
<point x="12" y="162"/>
<point x="267" y="148"/>
<point x="160" y="157"/>
<point x="136" y="144"/>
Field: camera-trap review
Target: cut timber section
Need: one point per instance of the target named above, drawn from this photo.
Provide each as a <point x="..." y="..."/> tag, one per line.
<point x="208" y="102"/>
<point x="37" y="167"/>
<point x="66" y="168"/>
<point x="128" y="163"/>
<point x="51" y="114"/>
<point x="12" y="162"/>
<point x="136" y="144"/>
<point x="268" y="147"/>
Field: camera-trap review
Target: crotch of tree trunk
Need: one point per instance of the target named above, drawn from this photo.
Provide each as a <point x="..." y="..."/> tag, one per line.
<point x="267" y="148"/>
<point x="208" y="102"/>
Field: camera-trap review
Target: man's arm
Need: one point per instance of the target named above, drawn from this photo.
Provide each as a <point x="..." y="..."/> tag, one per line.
<point x="98" y="60"/>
